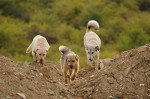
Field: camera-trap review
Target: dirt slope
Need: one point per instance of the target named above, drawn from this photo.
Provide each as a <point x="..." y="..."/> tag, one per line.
<point x="125" y="76"/>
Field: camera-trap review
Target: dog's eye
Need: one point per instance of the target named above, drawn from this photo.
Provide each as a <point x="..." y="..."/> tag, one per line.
<point x="92" y="52"/>
<point x="43" y="54"/>
<point x="73" y="61"/>
<point x="69" y="61"/>
<point x="40" y="54"/>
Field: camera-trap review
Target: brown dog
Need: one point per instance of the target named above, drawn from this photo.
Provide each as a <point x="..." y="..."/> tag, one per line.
<point x="69" y="63"/>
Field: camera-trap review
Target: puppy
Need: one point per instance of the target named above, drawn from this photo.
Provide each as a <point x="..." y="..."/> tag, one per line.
<point x="39" y="48"/>
<point x="69" y="62"/>
<point x="92" y="43"/>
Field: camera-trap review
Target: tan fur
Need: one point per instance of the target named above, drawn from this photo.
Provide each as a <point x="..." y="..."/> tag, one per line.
<point x="70" y="64"/>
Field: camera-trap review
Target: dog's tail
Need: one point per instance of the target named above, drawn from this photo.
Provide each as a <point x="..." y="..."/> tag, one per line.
<point x="63" y="49"/>
<point x="29" y="48"/>
<point x="92" y="24"/>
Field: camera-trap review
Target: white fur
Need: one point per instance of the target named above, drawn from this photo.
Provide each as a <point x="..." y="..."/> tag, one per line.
<point x="63" y="48"/>
<point x="92" y="42"/>
<point x="39" y="48"/>
<point x="93" y="24"/>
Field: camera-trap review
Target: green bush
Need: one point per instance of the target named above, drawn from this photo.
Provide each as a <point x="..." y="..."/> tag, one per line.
<point x="123" y="25"/>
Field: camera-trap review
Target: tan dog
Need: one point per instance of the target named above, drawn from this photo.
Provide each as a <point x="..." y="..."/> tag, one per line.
<point x="39" y="48"/>
<point x="92" y="43"/>
<point x="69" y="63"/>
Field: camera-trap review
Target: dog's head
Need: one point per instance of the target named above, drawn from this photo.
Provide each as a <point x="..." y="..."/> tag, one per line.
<point x="41" y="54"/>
<point x="91" y="51"/>
<point x="72" y="60"/>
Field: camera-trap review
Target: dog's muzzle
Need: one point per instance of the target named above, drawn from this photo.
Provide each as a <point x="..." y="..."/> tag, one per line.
<point x="71" y="66"/>
<point x="41" y="61"/>
<point x="90" y="59"/>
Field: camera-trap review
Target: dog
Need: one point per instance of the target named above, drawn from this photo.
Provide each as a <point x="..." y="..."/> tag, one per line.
<point x="69" y="62"/>
<point x="92" y="43"/>
<point x="39" y="48"/>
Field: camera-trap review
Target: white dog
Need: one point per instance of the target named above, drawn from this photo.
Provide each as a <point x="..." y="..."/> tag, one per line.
<point x="69" y="62"/>
<point x="39" y="48"/>
<point x="92" y="43"/>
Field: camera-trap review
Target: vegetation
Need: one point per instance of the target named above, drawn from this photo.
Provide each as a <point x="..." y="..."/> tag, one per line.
<point x="125" y="24"/>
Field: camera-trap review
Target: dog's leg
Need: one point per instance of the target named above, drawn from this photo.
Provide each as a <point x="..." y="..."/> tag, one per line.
<point x="94" y="63"/>
<point x="34" y="56"/>
<point x="70" y="73"/>
<point x="87" y="60"/>
<point x="65" y="75"/>
<point x="91" y="63"/>
<point x="97" y="63"/>
<point x="74" y="73"/>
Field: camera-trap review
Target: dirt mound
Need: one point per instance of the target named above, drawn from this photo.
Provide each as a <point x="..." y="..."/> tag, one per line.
<point x="126" y="76"/>
<point x="31" y="81"/>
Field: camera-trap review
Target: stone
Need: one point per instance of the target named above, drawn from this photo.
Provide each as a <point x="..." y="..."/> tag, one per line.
<point x="2" y="81"/>
<point x="21" y="95"/>
<point x="50" y="92"/>
<point x="126" y="71"/>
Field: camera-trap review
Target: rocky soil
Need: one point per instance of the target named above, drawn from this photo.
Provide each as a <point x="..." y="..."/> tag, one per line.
<point x="125" y="76"/>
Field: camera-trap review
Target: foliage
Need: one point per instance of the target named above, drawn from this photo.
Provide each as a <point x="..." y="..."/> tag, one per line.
<point x="124" y="25"/>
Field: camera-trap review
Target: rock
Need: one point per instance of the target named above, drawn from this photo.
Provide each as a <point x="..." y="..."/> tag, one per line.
<point x="101" y="65"/>
<point x="118" y="95"/>
<point x="105" y="62"/>
<point x="19" y="75"/>
<point x="26" y="63"/>
<point x="7" y="97"/>
<point x="89" y="89"/>
<point x="111" y="80"/>
<point x="2" y="81"/>
<point x="31" y="88"/>
<point x="121" y="77"/>
<point x="126" y="71"/>
<point x="16" y="73"/>
<point x="40" y="74"/>
<point x="92" y="76"/>
<point x="96" y="89"/>
<point x="21" y="95"/>
<point x="142" y="49"/>
<point x="111" y="97"/>
<point x="50" y="92"/>
<point x="142" y="85"/>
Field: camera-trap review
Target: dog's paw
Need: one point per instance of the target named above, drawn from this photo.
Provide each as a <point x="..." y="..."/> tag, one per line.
<point x="43" y="64"/>
<point x="72" y="78"/>
<point x="35" y="61"/>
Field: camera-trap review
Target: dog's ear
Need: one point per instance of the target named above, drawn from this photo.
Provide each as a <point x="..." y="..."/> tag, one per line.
<point x="77" y="57"/>
<point x="86" y="47"/>
<point x="97" y="48"/>
<point x="36" y="50"/>
<point x="46" y="50"/>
